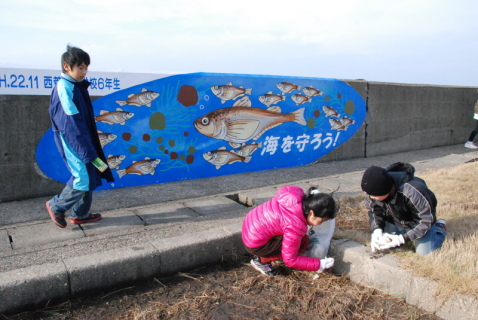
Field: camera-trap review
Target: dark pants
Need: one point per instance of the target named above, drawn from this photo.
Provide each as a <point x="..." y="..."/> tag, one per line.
<point x="272" y="250"/>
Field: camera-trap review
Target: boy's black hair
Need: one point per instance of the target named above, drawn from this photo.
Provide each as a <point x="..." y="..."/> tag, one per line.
<point x="322" y="204"/>
<point x="74" y="57"/>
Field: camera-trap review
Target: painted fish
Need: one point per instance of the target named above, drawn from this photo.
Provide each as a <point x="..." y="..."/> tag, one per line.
<point x="312" y="92"/>
<point x="115" y="161"/>
<point x="222" y="157"/>
<point x="106" y="138"/>
<point x="347" y="121"/>
<point x="330" y="112"/>
<point x="146" y="166"/>
<point x="113" y="117"/>
<point x="300" y="99"/>
<point x="270" y="98"/>
<point x="229" y="92"/>
<point x="287" y="87"/>
<point x="248" y="149"/>
<point x="144" y="98"/>
<point x="337" y="125"/>
<point x="240" y="124"/>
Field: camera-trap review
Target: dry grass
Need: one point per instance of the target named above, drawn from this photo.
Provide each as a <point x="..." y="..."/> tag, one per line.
<point x="455" y="265"/>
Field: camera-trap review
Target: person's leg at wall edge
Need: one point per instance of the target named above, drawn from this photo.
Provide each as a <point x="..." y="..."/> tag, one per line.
<point x="61" y="203"/>
<point x="432" y="240"/>
<point x="470" y="144"/>
<point x="80" y="213"/>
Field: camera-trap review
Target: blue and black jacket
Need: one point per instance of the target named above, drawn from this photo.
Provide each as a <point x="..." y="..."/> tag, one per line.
<point x="76" y="135"/>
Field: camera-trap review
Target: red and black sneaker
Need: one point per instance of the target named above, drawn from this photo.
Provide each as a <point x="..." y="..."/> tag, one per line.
<point x="92" y="218"/>
<point x="59" y="220"/>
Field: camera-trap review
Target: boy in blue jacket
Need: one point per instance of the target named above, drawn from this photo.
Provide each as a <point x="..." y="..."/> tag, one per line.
<point x="76" y="138"/>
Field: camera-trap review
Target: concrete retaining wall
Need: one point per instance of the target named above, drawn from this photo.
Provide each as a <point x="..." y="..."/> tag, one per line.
<point x="400" y="117"/>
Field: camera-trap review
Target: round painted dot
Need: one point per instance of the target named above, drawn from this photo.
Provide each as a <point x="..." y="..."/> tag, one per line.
<point x="186" y="134"/>
<point x="126" y="136"/>
<point x="146" y="137"/>
<point x="316" y="113"/>
<point x="191" y="150"/>
<point x="311" y="123"/>
<point x="133" y="149"/>
<point x="161" y="147"/>
<point x="189" y="159"/>
<point x="159" y="139"/>
<point x="173" y="155"/>
<point x="172" y="143"/>
<point x="349" y="107"/>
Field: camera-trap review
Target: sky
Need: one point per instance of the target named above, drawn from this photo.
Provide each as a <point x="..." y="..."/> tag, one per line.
<point x="402" y="41"/>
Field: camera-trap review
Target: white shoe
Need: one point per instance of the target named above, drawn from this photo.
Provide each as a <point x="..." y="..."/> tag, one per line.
<point x="470" y="145"/>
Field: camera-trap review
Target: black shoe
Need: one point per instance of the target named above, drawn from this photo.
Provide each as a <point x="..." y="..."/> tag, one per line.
<point x="265" y="268"/>
<point x="59" y="220"/>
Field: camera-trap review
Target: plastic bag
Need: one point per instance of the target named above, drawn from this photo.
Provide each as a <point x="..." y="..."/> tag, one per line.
<point x="320" y="237"/>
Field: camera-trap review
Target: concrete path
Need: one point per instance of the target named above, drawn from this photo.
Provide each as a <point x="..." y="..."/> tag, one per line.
<point x="158" y="230"/>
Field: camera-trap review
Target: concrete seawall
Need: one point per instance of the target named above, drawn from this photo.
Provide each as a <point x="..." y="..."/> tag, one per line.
<point x="400" y="117"/>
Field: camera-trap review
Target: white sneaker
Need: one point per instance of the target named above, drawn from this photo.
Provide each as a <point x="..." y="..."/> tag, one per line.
<point x="470" y="145"/>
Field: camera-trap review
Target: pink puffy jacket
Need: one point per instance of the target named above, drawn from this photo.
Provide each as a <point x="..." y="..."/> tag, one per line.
<point x="282" y="215"/>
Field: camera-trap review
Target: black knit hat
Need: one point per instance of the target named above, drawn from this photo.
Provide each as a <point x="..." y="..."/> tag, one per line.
<point x="376" y="181"/>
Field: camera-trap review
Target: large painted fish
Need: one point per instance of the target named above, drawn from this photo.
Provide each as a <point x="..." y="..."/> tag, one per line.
<point x="144" y="98"/>
<point x="229" y="92"/>
<point x="114" y="117"/>
<point x="238" y="125"/>
<point x="222" y="157"/>
<point x="146" y="166"/>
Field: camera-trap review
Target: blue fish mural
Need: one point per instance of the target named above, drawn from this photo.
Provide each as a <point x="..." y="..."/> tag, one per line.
<point x="198" y="125"/>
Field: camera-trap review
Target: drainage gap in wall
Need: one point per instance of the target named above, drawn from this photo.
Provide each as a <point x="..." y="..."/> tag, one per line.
<point x="235" y="197"/>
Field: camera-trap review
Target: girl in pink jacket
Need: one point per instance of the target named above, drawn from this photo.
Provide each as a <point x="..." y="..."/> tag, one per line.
<point x="277" y="229"/>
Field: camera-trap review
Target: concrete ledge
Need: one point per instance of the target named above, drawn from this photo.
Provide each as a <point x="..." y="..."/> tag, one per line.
<point x="113" y="268"/>
<point x="384" y="273"/>
<point x="198" y="249"/>
<point x="33" y="287"/>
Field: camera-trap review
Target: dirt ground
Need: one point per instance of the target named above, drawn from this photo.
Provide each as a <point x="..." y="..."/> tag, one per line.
<point x="234" y="290"/>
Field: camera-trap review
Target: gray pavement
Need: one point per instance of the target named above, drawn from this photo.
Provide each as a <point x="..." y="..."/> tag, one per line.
<point x="158" y="230"/>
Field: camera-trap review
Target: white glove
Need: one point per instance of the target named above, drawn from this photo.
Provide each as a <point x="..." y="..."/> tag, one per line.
<point x="391" y="241"/>
<point x="325" y="264"/>
<point x="377" y="239"/>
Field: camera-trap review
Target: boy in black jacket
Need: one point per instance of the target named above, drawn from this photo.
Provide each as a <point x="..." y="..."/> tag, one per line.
<point x="401" y="209"/>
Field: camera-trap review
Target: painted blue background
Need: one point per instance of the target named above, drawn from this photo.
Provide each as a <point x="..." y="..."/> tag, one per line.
<point x="180" y="147"/>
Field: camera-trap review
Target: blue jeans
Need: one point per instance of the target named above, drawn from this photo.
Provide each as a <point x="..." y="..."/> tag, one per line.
<point x="431" y="241"/>
<point x="78" y="201"/>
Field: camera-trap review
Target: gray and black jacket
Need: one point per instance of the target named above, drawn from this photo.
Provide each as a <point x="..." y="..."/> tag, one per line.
<point x="412" y="207"/>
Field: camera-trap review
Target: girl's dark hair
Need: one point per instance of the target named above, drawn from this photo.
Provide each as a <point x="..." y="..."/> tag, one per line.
<point x="74" y="57"/>
<point x="322" y="204"/>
